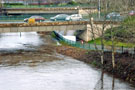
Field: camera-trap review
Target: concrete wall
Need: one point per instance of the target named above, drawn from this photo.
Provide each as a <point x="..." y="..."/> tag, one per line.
<point x="51" y="10"/>
<point x="42" y="11"/>
<point x="87" y="11"/>
<point x="87" y="35"/>
<point x="42" y="28"/>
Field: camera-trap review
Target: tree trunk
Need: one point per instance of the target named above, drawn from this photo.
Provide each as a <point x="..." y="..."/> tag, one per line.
<point x="112" y="39"/>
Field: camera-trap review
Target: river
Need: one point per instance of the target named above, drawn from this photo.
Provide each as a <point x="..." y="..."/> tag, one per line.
<point x="43" y="70"/>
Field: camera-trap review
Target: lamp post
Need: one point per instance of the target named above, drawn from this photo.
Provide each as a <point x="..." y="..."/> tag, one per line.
<point x="99" y="8"/>
<point x="0" y="3"/>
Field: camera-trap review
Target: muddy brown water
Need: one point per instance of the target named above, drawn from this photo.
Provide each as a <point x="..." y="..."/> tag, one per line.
<point x="29" y="62"/>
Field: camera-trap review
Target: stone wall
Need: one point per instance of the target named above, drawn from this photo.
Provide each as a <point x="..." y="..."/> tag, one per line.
<point x="97" y="27"/>
<point x="44" y="24"/>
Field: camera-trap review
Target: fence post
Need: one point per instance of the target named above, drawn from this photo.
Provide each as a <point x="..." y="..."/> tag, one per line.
<point x="134" y="50"/>
<point x="122" y="49"/>
<point x="89" y="45"/>
<point x="79" y="44"/>
<point x="103" y="47"/>
<point x="75" y="44"/>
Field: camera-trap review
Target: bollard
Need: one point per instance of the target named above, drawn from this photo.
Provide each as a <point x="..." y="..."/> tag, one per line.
<point x="122" y="49"/>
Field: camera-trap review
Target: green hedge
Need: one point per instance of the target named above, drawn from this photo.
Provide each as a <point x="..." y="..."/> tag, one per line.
<point x="13" y="4"/>
<point x="72" y="3"/>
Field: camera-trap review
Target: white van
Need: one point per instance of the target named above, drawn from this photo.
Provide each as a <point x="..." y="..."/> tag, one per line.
<point x="74" y="17"/>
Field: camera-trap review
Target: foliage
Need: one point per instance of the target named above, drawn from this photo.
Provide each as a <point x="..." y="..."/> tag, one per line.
<point x="125" y="32"/>
<point x="129" y="21"/>
<point x="62" y="4"/>
<point x="72" y="3"/>
<point x="13" y="4"/>
<point x="94" y="63"/>
<point x="109" y="43"/>
<point x="53" y="35"/>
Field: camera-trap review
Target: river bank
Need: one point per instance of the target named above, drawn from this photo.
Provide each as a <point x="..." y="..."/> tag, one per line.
<point x="30" y="62"/>
<point x="125" y="63"/>
<point x="28" y="57"/>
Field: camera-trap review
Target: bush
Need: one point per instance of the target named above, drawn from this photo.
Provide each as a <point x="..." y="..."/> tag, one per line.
<point x="62" y="4"/>
<point x="72" y="3"/>
<point x="129" y="21"/>
<point x="13" y="4"/>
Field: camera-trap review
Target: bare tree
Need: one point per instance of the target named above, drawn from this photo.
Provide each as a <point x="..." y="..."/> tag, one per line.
<point x="113" y="47"/>
<point x="119" y="5"/>
<point x="96" y="31"/>
<point x="100" y="33"/>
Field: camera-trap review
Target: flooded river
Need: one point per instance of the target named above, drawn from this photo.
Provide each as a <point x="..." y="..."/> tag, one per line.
<point x="29" y="62"/>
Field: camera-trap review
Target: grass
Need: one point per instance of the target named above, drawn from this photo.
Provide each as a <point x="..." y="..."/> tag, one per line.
<point x="42" y="6"/>
<point x="11" y="20"/>
<point x="109" y="43"/>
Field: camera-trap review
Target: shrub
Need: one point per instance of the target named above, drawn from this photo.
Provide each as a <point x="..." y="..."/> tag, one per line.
<point x="129" y="21"/>
<point x="94" y="63"/>
<point x="72" y="3"/>
<point x="13" y="4"/>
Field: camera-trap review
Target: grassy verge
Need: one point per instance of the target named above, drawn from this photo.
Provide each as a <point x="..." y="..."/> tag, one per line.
<point x="52" y="5"/>
<point x="11" y="20"/>
<point x="109" y="43"/>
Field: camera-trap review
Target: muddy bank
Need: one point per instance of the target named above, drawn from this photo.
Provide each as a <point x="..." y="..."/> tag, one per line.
<point x="125" y="63"/>
<point x="31" y="58"/>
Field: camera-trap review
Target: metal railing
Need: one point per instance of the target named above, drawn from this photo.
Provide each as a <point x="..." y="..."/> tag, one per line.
<point x="14" y="18"/>
<point x="89" y="46"/>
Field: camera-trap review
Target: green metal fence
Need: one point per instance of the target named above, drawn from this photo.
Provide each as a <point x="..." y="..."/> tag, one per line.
<point x="89" y="46"/>
<point x="14" y="18"/>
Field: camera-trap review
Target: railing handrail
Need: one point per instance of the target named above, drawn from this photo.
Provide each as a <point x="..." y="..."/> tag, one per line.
<point x="88" y="46"/>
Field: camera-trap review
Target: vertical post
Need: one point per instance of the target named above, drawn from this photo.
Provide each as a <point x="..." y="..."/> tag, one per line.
<point x="20" y="34"/>
<point x="113" y="83"/>
<point x="122" y="49"/>
<point x="89" y="45"/>
<point x="134" y="50"/>
<point x="103" y="47"/>
<point x="102" y="79"/>
<point x="67" y="42"/>
<point x="87" y="33"/>
<point x="99" y="8"/>
<point x="0" y="4"/>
